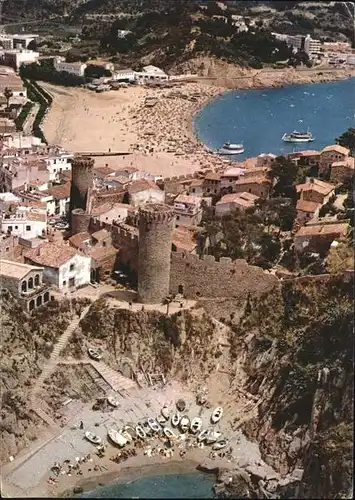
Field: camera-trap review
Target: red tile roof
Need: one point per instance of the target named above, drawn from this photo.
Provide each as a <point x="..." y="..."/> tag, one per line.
<point x="51" y="255"/>
<point x="142" y="185"/>
<point x="307" y="206"/>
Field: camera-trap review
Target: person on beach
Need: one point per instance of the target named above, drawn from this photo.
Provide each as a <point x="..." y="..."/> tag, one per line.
<point x="81" y="425"/>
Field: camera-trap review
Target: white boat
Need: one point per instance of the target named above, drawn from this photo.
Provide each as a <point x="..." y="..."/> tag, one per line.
<point x="140" y="432"/>
<point x="175" y="420"/>
<point x="93" y="438"/>
<point x="203" y="435"/>
<point x="127" y="436"/>
<point x="220" y="444"/>
<point x="169" y="433"/>
<point x="116" y="437"/>
<point x="94" y="354"/>
<point x="298" y="137"/>
<point x="213" y="436"/>
<point x="130" y="430"/>
<point x="113" y="401"/>
<point x="231" y="149"/>
<point x="153" y="424"/>
<point x="184" y="423"/>
<point x="216" y="415"/>
<point x="196" y="425"/>
<point x="165" y="412"/>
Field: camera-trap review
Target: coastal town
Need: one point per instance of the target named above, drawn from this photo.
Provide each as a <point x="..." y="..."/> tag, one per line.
<point x="136" y="252"/>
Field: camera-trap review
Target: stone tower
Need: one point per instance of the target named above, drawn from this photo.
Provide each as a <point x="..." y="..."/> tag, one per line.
<point x="81" y="184"/>
<point x="156" y="224"/>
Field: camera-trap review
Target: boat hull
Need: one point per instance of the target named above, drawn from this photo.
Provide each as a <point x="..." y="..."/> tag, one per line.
<point x="289" y="139"/>
<point x="230" y="152"/>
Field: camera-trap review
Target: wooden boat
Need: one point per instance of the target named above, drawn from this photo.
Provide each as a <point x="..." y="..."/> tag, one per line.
<point x="93" y="438"/>
<point x="184" y="423"/>
<point x="127" y="436"/>
<point x="220" y="444"/>
<point x="94" y="354"/>
<point x="196" y="425"/>
<point x="161" y="419"/>
<point x="130" y="430"/>
<point x="213" y="436"/>
<point x="113" y="401"/>
<point x="169" y="433"/>
<point x="140" y="432"/>
<point x="216" y="415"/>
<point x="181" y="405"/>
<point x="165" y="412"/>
<point x="175" y="420"/>
<point x="153" y="424"/>
<point x="116" y="437"/>
<point x="203" y="435"/>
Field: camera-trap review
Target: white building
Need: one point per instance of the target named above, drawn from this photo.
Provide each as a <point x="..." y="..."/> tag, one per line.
<point x="58" y="163"/>
<point x="62" y="266"/>
<point x="6" y="41"/>
<point x="123" y="33"/>
<point x="144" y="191"/>
<point x="23" y="40"/>
<point x="125" y="75"/>
<point x="26" y="222"/>
<point x="188" y="210"/>
<point x="74" y="68"/>
<point x="16" y="57"/>
<point x="312" y="47"/>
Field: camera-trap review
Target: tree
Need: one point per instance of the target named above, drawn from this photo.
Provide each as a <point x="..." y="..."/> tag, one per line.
<point x="347" y="139"/>
<point x="285" y="175"/>
<point x="8" y="94"/>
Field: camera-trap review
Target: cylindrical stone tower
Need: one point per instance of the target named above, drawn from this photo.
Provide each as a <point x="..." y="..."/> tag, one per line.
<point x="81" y="182"/>
<point x="156" y="223"/>
<point x="80" y="221"/>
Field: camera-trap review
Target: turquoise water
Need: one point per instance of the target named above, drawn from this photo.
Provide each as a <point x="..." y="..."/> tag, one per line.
<point x="259" y="118"/>
<point x="194" y="485"/>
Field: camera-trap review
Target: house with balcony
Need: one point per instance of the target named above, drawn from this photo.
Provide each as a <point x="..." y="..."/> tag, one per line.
<point x="188" y="210"/>
<point x="25" y="283"/>
<point x="25" y="222"/>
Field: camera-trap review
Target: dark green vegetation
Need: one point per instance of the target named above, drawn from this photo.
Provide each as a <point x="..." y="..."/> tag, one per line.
<point x="36" y="94"/>
<point x="45" y="71"/>
<point x="23" y="115"/>
<point x="347" y="139"/>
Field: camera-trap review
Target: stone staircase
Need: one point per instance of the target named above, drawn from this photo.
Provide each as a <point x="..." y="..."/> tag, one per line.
<point x="115" y="380"/>
<point x="37" y="406"/>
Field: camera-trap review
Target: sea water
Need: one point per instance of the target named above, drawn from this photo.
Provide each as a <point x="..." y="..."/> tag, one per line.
<point x="192" y="485"/>
<point x="258" y="118"/>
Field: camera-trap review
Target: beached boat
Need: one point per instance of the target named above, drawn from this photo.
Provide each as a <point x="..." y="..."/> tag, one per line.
<point x="93" y="438"/>
<point x="116" y="437"/>
<point x="113" y="401"/>
<point x="180" y="405"/>
<point x="298" y="137"/>
<point x="184" y="423"/>
<point x="130" y="430"/>
<point x="140" y="432"/>
<point x="161" y="419"/>
<point x="220" y="444"/>
<point x="203" y="435"/>
<point x="231" y="149"/>
<point x="216" y="415"/>
<point x="165" y="412"/>
<point x="153" y="424"/>
<point x="127" y="436"/>
<point x="175" y="420"/>
<point x="213" y="436"/>
<point x="169" y="433"/>
<point x="196" y="425"/>
<point x="94" y="354"/>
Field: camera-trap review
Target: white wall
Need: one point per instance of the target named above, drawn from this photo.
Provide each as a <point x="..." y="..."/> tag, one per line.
<point x="20" y="227"/>
<point x="80" y="272"/>
<point x="148" y="196"/>
<point x="58" y="164"/>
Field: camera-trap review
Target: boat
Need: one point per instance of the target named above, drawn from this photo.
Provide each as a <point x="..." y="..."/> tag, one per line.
<point x="140" y="432"/>
<point x="220" y="444"/>
<point x="213" y="436"/>
<point x="116" y="437"/>
<point x="181" y="405"/>
<point x="184" y="423"/>
<point x="94" y="354"/>
<point x="93" y="438"/>
<point x="113" y="401"/>
<point x="203" y="435"/>
<point x="298" y="137"/>
<point x="127" y="436"/>
<point x="196" y="425"/>
<point x="216" y="415"/>
<point x="161" y="419"/>
<point x="130" y="430"/>
<point x="175" y="420"/>
<point x="165" y="412"/>
<point x="169" y="433"/>
<point x="231" y="149"/>
<point x="153" y="424"/>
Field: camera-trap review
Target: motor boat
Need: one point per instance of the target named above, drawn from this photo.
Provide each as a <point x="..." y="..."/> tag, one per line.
<point x="94" y="354"/>
<point x="140" y="432"/>
<point x="153" y="424"/>
<point x="196" y="425"/>
<point x="165" y="412"/>
<point x="169" y="433"/>
<point x="93" y="438"/>
<point x="181" y="405"/>
<point x="203" y="435"/>
<point x="220" y="444"/>
<point x="216" y="415"/>
<point x="175" y="420"/>
<point x="116" y="437"/>
<point x="213" y="436"/>
<point x="113" y="401"/>
<point x="184" y="423"/>
<point x="231" y="149"/>
<point x="298" y="137"/>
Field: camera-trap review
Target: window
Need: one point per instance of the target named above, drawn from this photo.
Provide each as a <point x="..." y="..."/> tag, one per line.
<point x="16" y="227"/>
<point x="37" y="280"/>
<point x="7" y="249"/>
<point x="249" y="190"/>
<point x="178" y="217"/>
<point x="193" y="190"/>
<point x="104" y="243"/>
<point x="71" y="282"/>
<point x="71" y="267"/>
<point x="9" y="228"/>
<point x="28" y="228"/>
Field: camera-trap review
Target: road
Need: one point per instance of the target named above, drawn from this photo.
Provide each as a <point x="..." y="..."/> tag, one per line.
<point x="28" y="124"/>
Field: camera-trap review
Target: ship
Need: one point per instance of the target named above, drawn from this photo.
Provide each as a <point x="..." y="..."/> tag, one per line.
<point x="298" y="137"/>
<point x="231" y="149"/>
